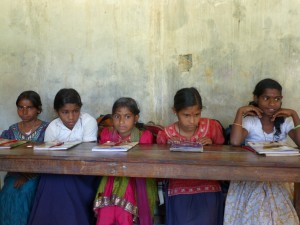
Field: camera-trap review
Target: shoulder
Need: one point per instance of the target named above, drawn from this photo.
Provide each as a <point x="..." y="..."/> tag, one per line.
<point x="146" y="137"/>
<point x="287" y="125"/>
<point x="168" y="132"/>
<point x="44" y="124"/>
<point x="88" y="119"/>
<point x="55" y="123"/>
<point x="9" y="133"/>
<point x="251" y="122"/>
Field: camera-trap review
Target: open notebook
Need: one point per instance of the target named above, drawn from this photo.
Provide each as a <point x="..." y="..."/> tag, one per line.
<point x="274" y="148"/>
<point x="9" y="143"/>
<point x="56" y="145"/>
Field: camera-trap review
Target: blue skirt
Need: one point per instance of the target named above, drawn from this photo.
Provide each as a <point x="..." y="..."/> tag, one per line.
<point x="64" y="199"/>
<point x="195" y="209"/>
<point x="16" y="203"/>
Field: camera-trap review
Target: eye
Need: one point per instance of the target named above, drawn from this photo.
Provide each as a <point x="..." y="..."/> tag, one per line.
<point x="127" y="117"/>
<point x="116" y="116"/>
<point x="278" y="99"/>
<point x="265" y="98"/>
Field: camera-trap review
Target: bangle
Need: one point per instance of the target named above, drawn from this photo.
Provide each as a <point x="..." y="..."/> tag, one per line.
<point x="237" y="124"/>
<point x="296" y="127"/>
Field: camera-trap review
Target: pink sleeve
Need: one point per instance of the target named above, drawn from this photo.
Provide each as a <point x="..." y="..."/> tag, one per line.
<point x="216" y="133"/>
<point x="146" y="137"/>
<point x="104" y="136"/>
<point x="162" y="137"/>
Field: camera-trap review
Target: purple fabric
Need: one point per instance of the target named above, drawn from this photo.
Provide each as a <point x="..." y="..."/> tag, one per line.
<point x="142" y="202"/>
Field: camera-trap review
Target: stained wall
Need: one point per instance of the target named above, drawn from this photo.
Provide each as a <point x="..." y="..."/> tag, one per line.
<point x="147" y="50"/>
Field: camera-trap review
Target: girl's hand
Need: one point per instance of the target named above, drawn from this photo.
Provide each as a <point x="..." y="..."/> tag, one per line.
<point x="250" y="110"/>
<point x="283" y="113"/>
<point x="20" y="181"/>
<point x="205" y="141"/>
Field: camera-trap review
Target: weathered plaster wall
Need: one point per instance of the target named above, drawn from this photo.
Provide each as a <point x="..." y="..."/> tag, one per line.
<point x="107" y="49"/>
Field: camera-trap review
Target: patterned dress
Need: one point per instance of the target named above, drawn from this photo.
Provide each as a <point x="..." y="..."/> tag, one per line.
<point x="263" y="203"/>
<point x="123" y="200"/>
<point x="15" y="204"/>
<point x="194" y="202"/>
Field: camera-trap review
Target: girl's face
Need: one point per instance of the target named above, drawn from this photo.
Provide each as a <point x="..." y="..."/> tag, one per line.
<point x="188" y="118"/>
<point x="124" y="121"/>
<point x="69" y="114"/>
<point x="26" y="111"/>
<point x="269" y="102"/>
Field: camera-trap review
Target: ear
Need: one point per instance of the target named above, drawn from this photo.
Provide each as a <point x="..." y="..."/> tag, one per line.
<point x="136" y="118"/>
<point x="174" y="111"/>
<point x="255" y="99"/>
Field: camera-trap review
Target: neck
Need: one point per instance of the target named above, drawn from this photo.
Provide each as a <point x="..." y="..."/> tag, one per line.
<point x="187" y="134"/>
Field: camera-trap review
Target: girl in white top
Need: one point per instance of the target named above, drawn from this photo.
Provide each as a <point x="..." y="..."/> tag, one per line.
<point x="67" y="199"/>
<point x="250" y="202"/>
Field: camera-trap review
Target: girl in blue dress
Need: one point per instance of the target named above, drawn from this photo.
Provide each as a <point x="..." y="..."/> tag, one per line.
<point x="17" y="194"/>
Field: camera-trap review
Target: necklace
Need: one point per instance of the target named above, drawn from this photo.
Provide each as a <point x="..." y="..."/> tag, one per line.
<point x="31" y="129"/>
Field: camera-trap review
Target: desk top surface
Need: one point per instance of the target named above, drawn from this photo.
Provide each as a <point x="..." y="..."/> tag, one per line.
<point x="216" y="162"/>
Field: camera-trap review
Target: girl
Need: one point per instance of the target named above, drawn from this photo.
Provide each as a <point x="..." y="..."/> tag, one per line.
<point x="192" y="202"/>
<point x="250" y="202"/>
<point x="66" y="199"/>
<point x="17" y="194"/>
<point x="137" y="194"/>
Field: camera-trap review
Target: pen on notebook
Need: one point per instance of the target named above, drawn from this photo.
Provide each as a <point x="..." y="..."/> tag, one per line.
<point x="58" y="144"/>
<point x="8" y="142"/>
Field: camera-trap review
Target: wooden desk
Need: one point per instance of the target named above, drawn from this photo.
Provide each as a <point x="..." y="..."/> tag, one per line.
<point x="217" y="163"/>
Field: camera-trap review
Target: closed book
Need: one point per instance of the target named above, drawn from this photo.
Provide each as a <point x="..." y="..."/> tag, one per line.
<point x="186" y="147"/>
<point x="123" y="147"/>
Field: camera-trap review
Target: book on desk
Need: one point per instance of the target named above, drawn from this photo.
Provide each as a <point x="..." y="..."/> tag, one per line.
<point x="110" y="146"/>
<point x="186" y="146"/>
<point x="54" y="146"/>
<point x="272" y="148"/>
<point x="10" y="143"/>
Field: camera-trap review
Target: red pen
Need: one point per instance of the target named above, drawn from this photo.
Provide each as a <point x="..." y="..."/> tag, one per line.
<point x="8" y="142"/>
<point x="58" y="144"/>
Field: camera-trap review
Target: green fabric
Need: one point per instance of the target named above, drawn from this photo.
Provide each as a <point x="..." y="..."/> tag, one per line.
<point x="135" y="135"/>
<point x="151" y="193"/>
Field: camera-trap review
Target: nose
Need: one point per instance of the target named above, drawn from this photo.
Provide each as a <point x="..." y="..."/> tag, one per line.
<point x="192" y="119"/>
<point x="122" y="119"/>
<point x="25" y="110"/>
<point x="71" y="116"/>
<point x="272" y="101"/>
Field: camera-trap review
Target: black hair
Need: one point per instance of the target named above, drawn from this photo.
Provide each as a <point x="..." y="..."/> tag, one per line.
<point x="66" y="96"/>
<point x="259" y="90"/>
<point x="129" y="103"/>
<point x="31" y="96"/>
<point x="187" y="97"/>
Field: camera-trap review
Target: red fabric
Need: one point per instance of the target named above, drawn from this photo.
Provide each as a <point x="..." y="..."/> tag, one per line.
<point x="206" y="128"/>
<point x="110" y="134"/>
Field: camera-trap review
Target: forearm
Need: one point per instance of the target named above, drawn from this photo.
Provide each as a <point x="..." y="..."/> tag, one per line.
<point x="237" y="130"/>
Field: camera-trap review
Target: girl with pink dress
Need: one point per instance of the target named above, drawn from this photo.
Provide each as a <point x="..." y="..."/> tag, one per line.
<point x="124" y="200"/>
